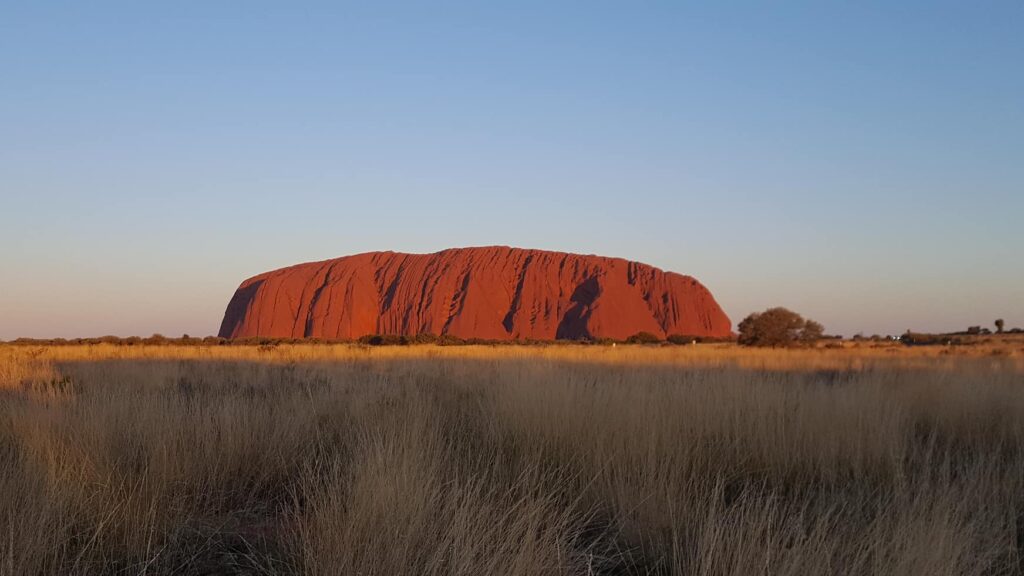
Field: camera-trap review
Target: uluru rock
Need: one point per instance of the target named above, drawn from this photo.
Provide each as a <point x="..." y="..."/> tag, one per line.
<point x="495" y="293"/>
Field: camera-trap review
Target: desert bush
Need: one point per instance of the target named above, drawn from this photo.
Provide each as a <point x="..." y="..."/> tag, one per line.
<point x="425" y="338"/>
<point x="449" y="340"/>
<point x="778" y="327"/>
<point x="923" y="339"/>
<point x="643" y="338"/>
<point x="382" y="340"/>
<point x="684" y="339"/>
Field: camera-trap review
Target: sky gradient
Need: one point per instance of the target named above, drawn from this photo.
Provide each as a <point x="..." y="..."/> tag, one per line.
<point x="861" y="164"/>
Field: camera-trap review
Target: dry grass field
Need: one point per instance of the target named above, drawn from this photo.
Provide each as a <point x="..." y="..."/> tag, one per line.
<point x="326" y="460"/>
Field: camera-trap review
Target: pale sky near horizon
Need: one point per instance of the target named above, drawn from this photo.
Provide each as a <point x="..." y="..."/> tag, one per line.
<point x="861" y="163"/>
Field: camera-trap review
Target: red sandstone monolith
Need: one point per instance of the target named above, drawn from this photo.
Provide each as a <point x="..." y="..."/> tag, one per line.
<point x="495" y="293"/>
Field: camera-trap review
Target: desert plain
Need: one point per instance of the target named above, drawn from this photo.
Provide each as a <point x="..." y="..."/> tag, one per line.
<point x="855" y="458"/>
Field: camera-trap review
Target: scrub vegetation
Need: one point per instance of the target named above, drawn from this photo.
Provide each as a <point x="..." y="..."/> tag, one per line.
<point x="634" y="459"/>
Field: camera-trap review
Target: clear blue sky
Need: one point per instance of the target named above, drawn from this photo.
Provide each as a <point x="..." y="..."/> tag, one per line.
<point x="862" y="163"/>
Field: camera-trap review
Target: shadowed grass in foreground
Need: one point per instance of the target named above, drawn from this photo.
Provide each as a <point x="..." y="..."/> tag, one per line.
<point x="479" y="461"/>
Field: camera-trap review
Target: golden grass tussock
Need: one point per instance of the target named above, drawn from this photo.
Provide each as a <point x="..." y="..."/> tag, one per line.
<point x="346" y="459"/>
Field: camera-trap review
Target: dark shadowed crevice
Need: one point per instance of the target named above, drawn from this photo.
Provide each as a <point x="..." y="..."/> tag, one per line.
<point x="237" y="308"/>
<point x="517" y="299"/>
<point x="458" y="302"/>
<point x="389" y="294"/>
<point x="308" y="330"/>
<point x="574" y="324"/>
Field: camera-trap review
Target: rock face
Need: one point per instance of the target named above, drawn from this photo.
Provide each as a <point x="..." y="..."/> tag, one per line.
<point x="493" y="293"/>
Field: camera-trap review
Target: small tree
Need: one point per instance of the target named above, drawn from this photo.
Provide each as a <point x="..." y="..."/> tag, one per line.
<point x="778" y="327"/>
<point x="999" y="325"/>
<point x="811" y="332"/>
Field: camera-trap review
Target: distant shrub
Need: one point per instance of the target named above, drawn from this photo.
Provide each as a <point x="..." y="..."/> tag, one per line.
<point x="449" y="340"/>
<point x="386" y="340"/>
<point x="643" y="338"/>
<point x="778" y="327"/>
<point x="371" y="339"/>
<point x="425" y="338"/>
<point x="681" y="339"/>
<point x="921" y="339"/>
